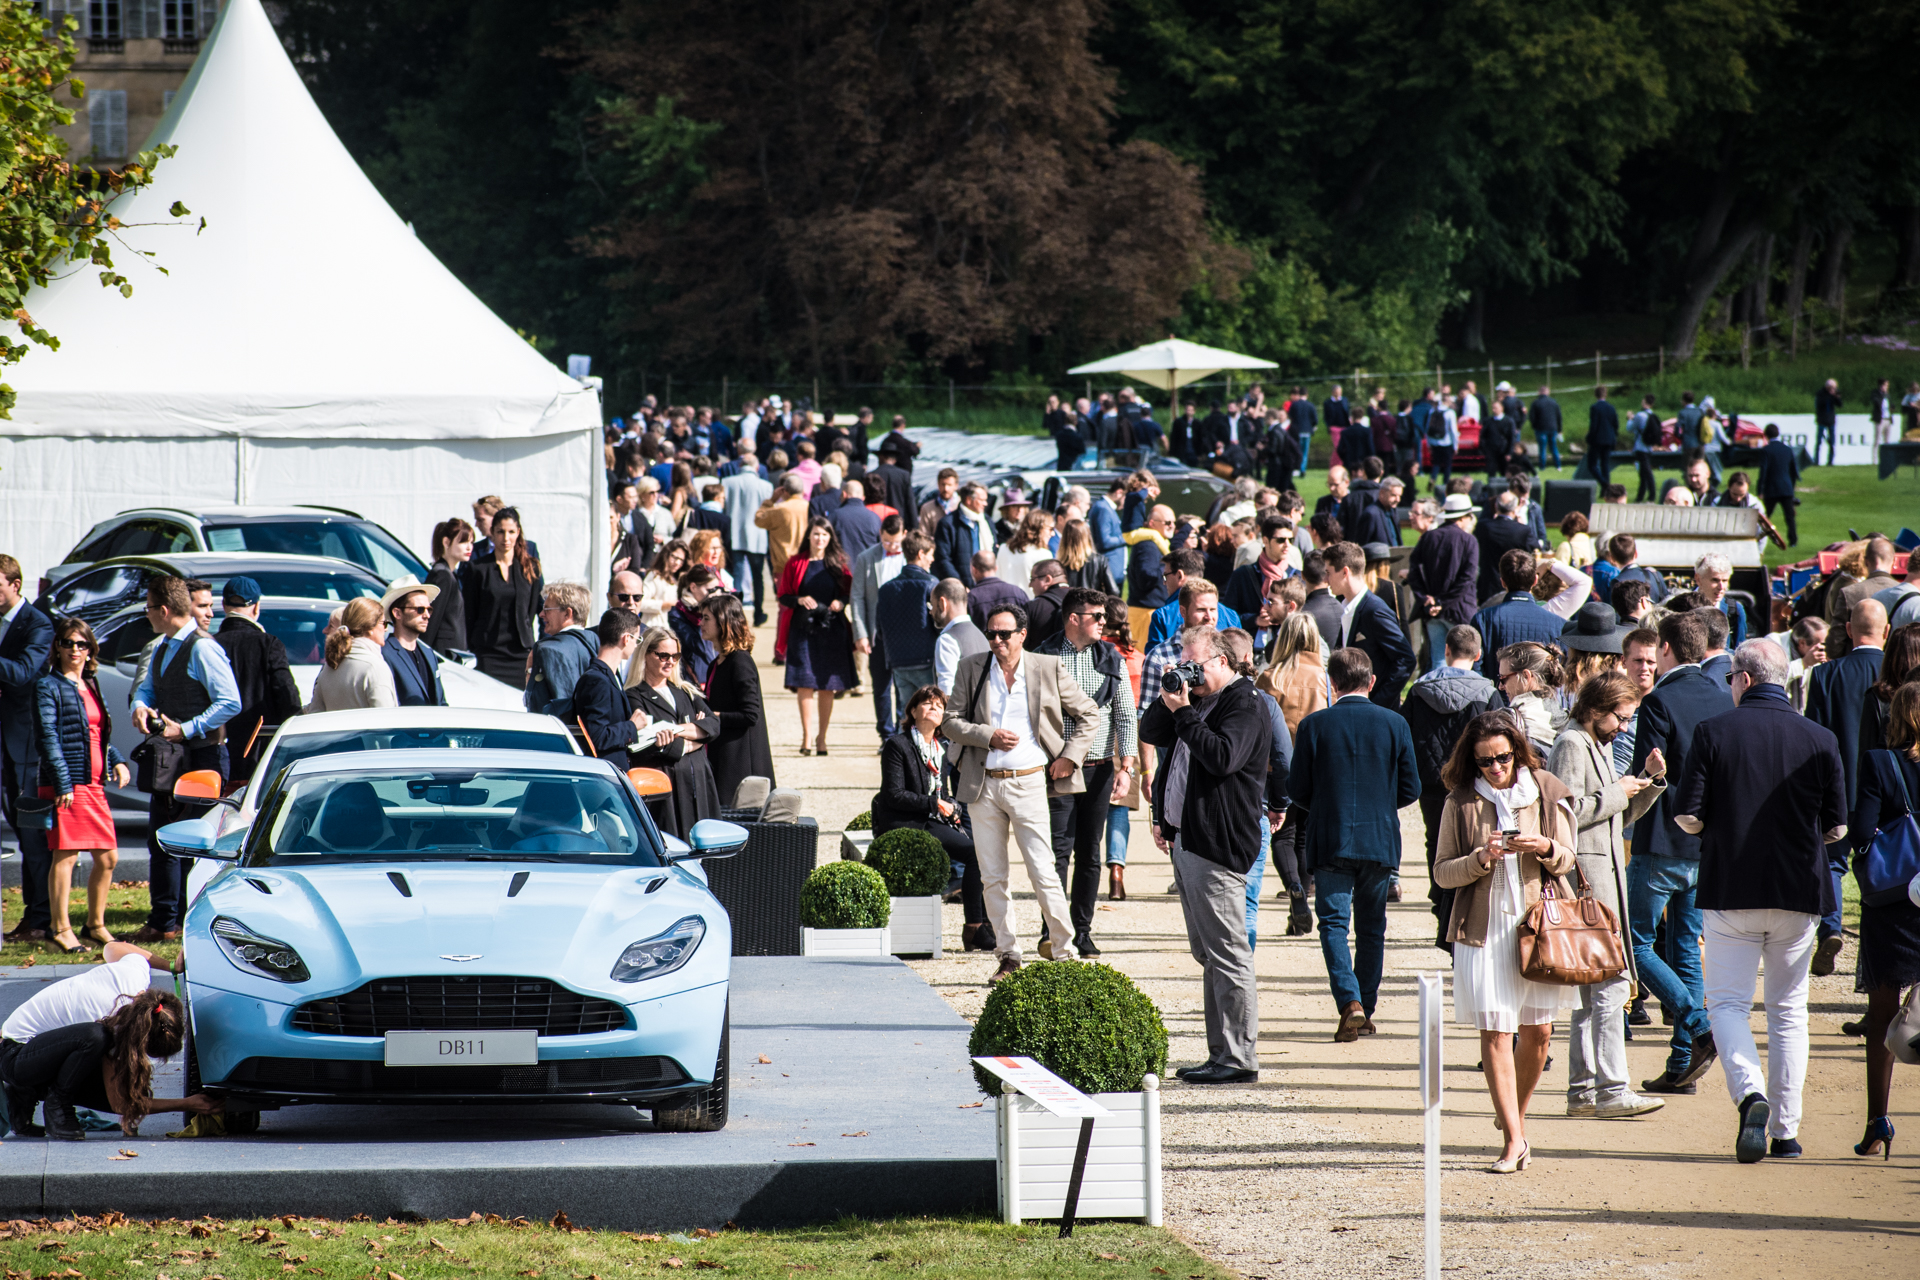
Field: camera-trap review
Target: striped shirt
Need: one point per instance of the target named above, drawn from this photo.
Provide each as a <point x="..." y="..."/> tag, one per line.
<point x="1159" y="658"/>
<point x="1079" y="663"/>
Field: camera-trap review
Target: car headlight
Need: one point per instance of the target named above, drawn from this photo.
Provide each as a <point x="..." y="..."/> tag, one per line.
<point x="662" y="953"/>
<point x="268" y="957"/>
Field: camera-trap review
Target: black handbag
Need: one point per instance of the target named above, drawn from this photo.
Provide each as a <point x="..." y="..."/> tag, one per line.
<point x="158" y="763"/>
<point x="33" y="814"/>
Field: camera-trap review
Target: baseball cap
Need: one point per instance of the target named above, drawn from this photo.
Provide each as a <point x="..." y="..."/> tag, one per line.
<point x="240" y="590"/>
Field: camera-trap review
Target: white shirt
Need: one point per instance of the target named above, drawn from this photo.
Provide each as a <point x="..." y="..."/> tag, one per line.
<point x="1009" y="711"/>
<point x="1346" y="617"/>
<point x="888" y="568"/>
<point x="1470" y="406"/>
<point x="74" y="1001"/>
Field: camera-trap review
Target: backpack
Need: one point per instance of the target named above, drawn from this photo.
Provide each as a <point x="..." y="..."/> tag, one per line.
<point x="1437" y="425"/>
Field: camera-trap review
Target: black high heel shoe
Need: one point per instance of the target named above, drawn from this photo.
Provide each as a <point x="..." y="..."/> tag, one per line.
<point x="1880" y="1133"/>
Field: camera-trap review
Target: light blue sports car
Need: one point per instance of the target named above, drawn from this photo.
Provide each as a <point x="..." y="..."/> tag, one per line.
<point x="458" y="926"/>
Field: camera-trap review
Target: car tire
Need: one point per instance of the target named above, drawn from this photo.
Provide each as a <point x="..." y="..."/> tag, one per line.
<point x="237" y="1122"/>
<point x="702" y="1110"/>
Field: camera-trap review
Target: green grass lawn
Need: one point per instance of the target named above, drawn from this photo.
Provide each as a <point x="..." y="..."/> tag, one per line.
<point x="209" y="1249"/>
<point x="127" y="907"/>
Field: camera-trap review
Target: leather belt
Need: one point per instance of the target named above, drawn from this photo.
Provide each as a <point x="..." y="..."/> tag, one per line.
<point x="1014" y="773"/>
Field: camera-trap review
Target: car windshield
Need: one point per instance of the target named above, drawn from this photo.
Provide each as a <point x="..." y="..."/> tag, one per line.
<point x="290" y="749"/>
<point x="344" y="539"/>
<point x="477" y="815"/>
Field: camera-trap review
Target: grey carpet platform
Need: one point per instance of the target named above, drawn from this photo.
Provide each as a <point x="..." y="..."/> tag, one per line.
<point x="856" y="1047"/>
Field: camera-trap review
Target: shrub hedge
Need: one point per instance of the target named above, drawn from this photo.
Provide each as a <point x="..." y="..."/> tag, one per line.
<point x="1086" y="1023"/>
<point x="913" y="863"/>
<point x="844" y="895"/>
<point x="861" y="822"/>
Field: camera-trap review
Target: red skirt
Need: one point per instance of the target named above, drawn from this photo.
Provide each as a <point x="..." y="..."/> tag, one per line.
<point x="88" y="822"/>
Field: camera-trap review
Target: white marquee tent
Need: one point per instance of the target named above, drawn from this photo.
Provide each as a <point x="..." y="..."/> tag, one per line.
<point x="304" y="347"/>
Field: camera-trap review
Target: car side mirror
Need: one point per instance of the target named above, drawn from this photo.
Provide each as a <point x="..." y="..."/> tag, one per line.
<point x="196" y="838"/>
<point x="650" y="782"/>
<point x="202" y="786"/>
<point x="712" y="838"/>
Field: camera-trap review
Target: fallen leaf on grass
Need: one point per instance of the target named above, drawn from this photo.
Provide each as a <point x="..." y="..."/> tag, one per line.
<point x="1161" y="1271"/>
<point x="1109" y="1257"/>
<point x="704" y="1233"/>
<point x="199" y="1232"/>
<point x="968" y="1106"/>
<point x="764" y="1060"/>
<point x="675" y="1263"/>
<point x="861" y="1134"/>
<point x="526" y="1273"/>
<point x="647" y="1238"/>
<point x="561" y="1222"/>
<point x="395" y="1275"/>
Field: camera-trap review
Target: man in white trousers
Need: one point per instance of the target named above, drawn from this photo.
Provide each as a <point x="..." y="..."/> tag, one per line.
<point x="1765" y="792"/>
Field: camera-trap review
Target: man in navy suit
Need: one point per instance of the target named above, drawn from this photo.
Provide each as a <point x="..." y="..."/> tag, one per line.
<point x="1368" y="624"/>
<point x="1836" y="696"/>
<point x="1665" y="870"/>
<point x="1603" y="432"/>
<point x="1515" y="617"/>
<point x="961" y="533"/>
<point x="26" y="641"/>
<point x="1779" y="474"/>
<point x="1347" y="760"/>
<point x="415" y="666"/>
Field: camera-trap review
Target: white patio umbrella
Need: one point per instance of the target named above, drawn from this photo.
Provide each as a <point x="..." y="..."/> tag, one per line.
<point x="1172" y="363"/>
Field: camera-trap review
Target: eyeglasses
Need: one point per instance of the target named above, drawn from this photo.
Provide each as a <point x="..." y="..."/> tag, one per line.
<point x="1488" y="762"/>
<point x="664" y="654"/>
<point x="623" y="596"/>
<point x="74" y="644"/>
<point x="1001" y="635"/>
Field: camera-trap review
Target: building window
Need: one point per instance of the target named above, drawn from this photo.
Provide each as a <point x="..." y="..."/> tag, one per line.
<point x="182" y="19"/>
<point x="107" y="117"/>
<point x="104" y="20"/>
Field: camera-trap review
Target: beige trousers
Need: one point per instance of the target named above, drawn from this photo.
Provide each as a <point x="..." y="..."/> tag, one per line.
<point x="1014" y="810"/>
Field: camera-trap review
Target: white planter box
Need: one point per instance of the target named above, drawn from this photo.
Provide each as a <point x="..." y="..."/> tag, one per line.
<point x="845" y="942"/>
<point x="1036" y="1149"/>
<point x="853" y="845"/>
<point x="915" y="925"/>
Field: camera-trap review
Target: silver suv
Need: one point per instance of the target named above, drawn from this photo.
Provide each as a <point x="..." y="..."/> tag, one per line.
<point x="304" y="531"/>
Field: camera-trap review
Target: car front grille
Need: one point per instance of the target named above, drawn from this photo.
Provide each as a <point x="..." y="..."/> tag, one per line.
<point x="576" y="1076"/>
<point x="464" y="1003"/>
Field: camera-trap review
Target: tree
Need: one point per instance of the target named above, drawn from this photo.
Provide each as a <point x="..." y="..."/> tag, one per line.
<point x="861" y="184"/>
<point x="55" y="215"/>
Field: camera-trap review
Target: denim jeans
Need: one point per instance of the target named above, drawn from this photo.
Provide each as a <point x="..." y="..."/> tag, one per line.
<point x="747" y="568"/>
<point x="905" y="681"/>
<point x="1350" y="894"/>
<point x="1549" y="442"/>
<point x="1256" y="874"/>
<point x="1665" y="886"/>
<point x="1119" y="828"/>
<point x="1831" y="923"/>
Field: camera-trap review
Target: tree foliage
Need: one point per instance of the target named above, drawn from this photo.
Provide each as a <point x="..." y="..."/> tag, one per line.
<point x="55" y="214"/>
<point x="855" y="183"/>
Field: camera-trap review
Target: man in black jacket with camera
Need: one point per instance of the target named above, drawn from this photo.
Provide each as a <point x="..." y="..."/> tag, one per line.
<point x="1215" y="737"/>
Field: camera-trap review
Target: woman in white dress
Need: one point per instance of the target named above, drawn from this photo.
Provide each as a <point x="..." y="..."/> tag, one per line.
<point x="1507" y="824"/>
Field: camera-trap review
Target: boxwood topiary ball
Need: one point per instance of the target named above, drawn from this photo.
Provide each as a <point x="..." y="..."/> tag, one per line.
<point x="844" y="895"/>
<point x="913" y="863"/>
<point x="861" y="822"/>
<point x="1086" y="1023"/>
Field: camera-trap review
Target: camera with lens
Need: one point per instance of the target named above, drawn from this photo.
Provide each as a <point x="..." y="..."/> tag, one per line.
<point x="1182" y="675"/>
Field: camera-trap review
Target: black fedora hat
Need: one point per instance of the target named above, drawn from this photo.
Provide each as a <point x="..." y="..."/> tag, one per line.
<point x="1594" y="629"/>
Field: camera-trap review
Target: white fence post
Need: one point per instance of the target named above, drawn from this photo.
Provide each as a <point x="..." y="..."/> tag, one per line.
<point x="1431" y="1001"/>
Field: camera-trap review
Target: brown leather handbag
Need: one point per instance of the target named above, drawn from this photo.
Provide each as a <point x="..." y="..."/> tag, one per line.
<point x="1570" y="942"/>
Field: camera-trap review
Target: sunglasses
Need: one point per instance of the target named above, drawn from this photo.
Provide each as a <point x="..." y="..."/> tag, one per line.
<point x="623" y="596"/>
<point x="1001" y="635"/>
<point x="664" y="654"/>
<point x="1488" y="762"/>
<point x="74" y="644"/>
<point x="414" y="608"/>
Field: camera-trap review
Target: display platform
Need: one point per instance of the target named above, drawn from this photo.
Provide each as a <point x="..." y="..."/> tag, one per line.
<point x="863" y="1106"/>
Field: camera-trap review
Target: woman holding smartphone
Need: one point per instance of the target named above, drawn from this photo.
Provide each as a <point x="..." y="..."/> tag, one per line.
<point x="1506" y="825"/>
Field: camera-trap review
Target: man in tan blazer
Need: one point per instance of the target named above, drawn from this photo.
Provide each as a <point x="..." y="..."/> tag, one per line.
<point x="784" y="517"/>
<point x="1006" y="718"/>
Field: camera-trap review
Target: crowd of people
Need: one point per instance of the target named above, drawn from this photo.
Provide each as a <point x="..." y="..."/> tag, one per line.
<point x="1252" y="682"/>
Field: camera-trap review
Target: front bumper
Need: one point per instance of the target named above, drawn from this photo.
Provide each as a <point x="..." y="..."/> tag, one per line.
<point x="247" y="1050"/>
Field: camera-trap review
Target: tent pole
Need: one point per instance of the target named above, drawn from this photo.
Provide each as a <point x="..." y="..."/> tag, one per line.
<point x="599" y="554"/>
<point x="239" y="471"/>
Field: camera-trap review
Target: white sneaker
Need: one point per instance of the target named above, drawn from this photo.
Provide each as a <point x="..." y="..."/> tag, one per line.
<point x="1628" y="1107"/>
<point x="1579" y="1110"/>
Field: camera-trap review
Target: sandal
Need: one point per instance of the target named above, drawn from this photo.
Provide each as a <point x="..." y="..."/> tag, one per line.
<point x="98" y="933"/>
<point x="53" y="940"/>
<point x="806" y="751"/>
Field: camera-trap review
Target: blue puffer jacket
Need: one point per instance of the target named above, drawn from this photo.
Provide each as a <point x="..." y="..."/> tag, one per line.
<point x="63" y="733"/>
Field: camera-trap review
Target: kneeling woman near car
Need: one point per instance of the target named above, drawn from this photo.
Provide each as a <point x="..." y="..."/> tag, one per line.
<point x="912" y="794"/>
<point x="1506" y="825"/>
<point x="675" y="740"/>
<point x="88" y="1042"/>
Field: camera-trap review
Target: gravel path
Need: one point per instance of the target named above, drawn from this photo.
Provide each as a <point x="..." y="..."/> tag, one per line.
<point x="1316" y="1170"/>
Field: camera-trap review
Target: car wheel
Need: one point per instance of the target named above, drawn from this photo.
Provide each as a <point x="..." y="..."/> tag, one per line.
<point x="702" y="1110"/>
<point x="237" y="1122"/>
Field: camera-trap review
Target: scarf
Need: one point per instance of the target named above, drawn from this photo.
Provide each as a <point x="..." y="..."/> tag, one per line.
<point x="1506" y="802"/>
<point x="1144" y="533"/>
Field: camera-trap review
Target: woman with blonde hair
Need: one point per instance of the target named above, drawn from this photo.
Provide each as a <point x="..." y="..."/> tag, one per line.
<point x="660" y="589"/>
<point x="1506" y="826"/>
<point x="355" y="674"/>
<point x="679" y="726"/>
<point x="1530" y="678"/>
<point x="1085" y="567"/>
<point x="1297" y="679"/>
